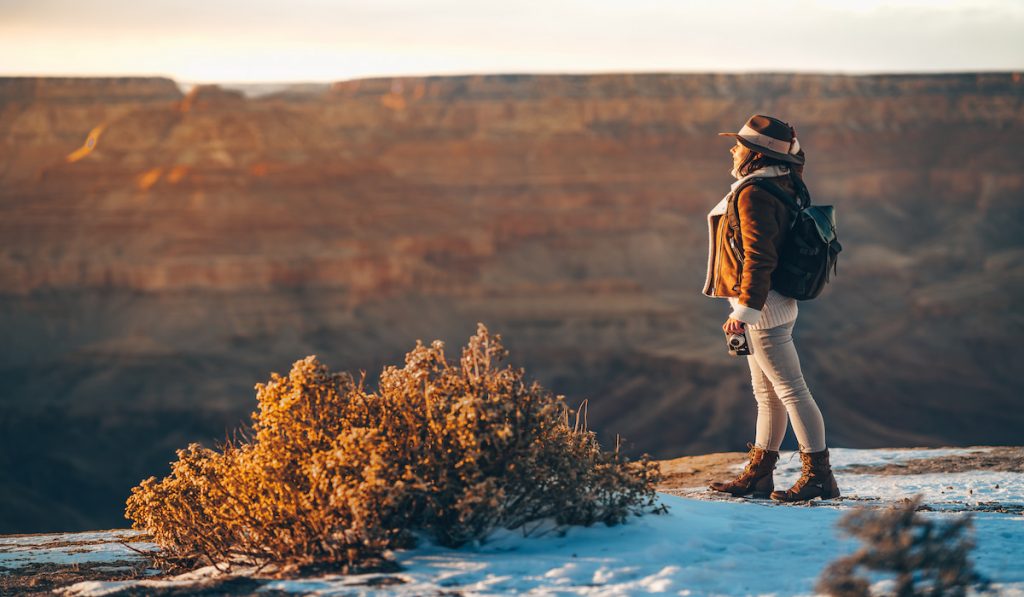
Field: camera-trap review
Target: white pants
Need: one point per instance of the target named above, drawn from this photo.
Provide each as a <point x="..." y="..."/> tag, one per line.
<point x="780" y="389"/>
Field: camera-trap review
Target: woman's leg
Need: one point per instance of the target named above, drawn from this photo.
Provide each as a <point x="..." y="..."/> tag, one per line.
<point x="775" y="354"/>
<point x="771" y="413"/>
<point x="757" y="477"/>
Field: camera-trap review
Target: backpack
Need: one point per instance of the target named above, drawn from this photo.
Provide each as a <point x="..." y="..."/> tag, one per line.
<point x="810" y="248"/>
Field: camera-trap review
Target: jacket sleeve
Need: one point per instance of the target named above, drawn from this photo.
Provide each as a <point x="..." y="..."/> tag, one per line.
<point x="760" y="230"/>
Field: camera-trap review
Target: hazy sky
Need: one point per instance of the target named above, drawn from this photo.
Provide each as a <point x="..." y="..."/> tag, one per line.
<point x="329" y="40"/>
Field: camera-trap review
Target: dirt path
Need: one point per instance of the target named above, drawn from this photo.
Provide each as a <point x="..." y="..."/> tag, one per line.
<point x="1000" y="458"/>
<point x="698" y="471"/>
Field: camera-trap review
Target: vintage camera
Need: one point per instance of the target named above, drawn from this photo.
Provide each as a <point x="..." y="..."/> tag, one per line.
<point x="737" y="343"/>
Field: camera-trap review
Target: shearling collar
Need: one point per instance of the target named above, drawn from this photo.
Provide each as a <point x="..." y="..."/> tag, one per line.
<point x="766" y="172"/>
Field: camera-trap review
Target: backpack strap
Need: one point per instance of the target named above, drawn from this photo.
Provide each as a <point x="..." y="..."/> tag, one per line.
<point x="787" y="199"/>
<point x="733" y="210"/>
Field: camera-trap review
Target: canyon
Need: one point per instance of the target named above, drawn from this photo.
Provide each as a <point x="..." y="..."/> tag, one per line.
<point x="163" y="251"/>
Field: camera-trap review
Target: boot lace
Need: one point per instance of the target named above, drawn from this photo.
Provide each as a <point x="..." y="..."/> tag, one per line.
<point x="751" y="464"/>
<point x="806" y="472"/>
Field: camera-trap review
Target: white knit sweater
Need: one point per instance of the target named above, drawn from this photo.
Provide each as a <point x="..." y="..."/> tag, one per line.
<point x="778" y="309"/>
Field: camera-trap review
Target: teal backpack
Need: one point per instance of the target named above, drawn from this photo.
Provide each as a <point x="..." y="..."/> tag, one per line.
<point x="811" y="245"/>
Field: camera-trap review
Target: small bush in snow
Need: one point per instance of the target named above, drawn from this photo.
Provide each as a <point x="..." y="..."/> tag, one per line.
<point x="335" y="475"/>
<point x="914" y="555"/>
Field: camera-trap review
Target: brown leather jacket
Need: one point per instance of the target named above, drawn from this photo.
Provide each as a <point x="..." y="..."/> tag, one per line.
<point x="764" y="220"/>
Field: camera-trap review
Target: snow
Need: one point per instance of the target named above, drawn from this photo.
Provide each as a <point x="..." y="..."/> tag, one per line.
<point x="70" y="548"/>
<point x="706" y="547"/>
<point x="944" y="490"/>
<point x="105" y="536"/>
<point x="952" y="491"/>
<point x="95" y="588"/>
<point x="839" y="457"/>
<point x="706" y="544"/>
<point x="699" y="548"/>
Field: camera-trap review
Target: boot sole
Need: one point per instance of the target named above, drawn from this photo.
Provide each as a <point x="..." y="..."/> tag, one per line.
<point x="829" y="496"/>
<point x="761" y="495"/>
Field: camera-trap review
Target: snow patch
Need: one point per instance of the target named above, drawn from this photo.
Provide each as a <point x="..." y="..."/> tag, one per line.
<point x="70" y="549"/>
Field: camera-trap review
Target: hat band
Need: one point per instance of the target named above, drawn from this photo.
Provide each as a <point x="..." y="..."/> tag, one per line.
<point x="769" y="142"/>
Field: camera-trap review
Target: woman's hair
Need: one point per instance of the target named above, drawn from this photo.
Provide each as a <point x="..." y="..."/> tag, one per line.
<point x="754" y="160"/>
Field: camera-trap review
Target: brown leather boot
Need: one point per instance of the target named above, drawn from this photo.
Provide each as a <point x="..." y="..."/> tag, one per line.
<point x="816" y="480"/>
<point x="756" y="478"/>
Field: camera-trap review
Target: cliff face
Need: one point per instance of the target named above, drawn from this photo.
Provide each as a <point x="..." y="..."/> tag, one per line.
<point x="161" y="252"/>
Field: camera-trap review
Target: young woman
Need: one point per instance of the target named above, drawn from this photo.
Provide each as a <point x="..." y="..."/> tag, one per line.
<point x="767" y="147"/>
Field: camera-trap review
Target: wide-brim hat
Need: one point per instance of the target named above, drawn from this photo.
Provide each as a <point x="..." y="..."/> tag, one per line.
<point x="769" y="136"/>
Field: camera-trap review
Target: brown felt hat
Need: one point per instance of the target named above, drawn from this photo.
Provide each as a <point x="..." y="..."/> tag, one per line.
<point x="771" y="137"/>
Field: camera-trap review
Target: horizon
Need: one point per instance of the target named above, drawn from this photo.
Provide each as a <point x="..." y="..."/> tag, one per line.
<point x="823" y="73"/>
<point x="316" y="41"/>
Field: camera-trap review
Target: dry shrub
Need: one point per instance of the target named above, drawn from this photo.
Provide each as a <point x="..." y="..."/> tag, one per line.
<point x="922" y="556"/>
<point x="332" y="474"/>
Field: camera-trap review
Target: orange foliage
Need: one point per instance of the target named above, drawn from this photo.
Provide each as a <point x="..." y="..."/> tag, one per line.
<point x="335" y="475"/>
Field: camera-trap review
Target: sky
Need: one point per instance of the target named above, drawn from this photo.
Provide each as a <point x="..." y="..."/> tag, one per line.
<point x="241" y="41"/>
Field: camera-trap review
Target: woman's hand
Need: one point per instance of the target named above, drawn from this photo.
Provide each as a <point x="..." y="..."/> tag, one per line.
<point x="733" y="326"/>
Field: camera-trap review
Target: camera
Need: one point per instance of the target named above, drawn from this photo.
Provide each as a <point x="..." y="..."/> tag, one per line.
<point x="737" y="343"/>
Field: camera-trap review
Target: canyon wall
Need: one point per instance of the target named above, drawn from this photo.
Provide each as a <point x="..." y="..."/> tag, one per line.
<point x="161" y="252"/>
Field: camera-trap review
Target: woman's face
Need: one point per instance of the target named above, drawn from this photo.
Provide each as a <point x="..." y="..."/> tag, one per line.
<point x="739" y="153"/>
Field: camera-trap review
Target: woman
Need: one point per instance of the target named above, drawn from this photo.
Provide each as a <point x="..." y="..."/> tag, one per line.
<point x="767" y="147"/>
